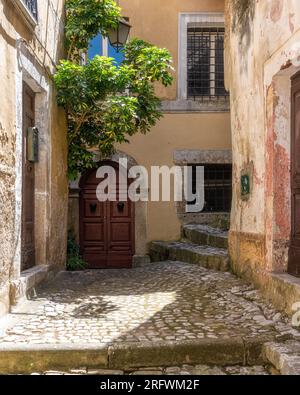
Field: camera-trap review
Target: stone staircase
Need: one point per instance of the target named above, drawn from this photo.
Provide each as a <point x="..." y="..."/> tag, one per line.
<point x="200" y="244"/>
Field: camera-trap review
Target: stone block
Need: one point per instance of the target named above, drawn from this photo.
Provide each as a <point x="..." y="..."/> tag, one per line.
<point x="206" y="351"/>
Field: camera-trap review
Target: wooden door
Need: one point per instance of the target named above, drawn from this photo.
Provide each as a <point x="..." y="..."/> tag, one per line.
<point x="294" y="256"/>
<point x="28" y="237"/>
<point x="106" y="228"/>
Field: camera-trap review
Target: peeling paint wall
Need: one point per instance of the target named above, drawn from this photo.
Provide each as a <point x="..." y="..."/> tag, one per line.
<point x="29" y="54"/>
<point x="260" y="60"/>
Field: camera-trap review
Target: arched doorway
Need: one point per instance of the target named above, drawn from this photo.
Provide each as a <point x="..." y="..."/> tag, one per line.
<point x="106" y="228"/>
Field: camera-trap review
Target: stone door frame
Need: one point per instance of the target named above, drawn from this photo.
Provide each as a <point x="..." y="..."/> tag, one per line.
<point x="140" y="217"/>
<point x="279" y="70"/>
<point x="33" y="75"/>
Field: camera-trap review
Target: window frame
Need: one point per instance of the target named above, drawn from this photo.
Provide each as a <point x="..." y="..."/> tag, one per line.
<point x="214" y="90"/>
<point x="25" y="12"/>
<point x="215" y="185"/>
<point x="210" y="20"/>
<point x="105" y="50"/>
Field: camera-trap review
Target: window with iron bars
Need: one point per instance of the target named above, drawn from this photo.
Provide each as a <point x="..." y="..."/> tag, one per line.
<point x="31" y="5"/>
<point x="205" y="58"/>
<point x="217" y="187"/>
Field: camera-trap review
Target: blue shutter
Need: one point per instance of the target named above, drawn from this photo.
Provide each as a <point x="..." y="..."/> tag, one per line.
<point x="95" y="47"/>
<point x="112" y="53"/>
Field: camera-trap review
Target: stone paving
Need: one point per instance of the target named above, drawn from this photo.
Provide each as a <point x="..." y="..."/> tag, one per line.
<point x="184" y="370"/>
<point x="169" y="301"/>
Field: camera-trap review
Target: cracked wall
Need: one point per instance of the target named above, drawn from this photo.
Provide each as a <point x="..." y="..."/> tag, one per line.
<point x="260" y="48"/>
<point x="29" y="54"/>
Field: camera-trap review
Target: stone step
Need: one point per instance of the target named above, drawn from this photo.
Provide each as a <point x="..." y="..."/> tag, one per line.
<point x="25" y="359"/>
<point x="205" y="235"/>
<point x="284" y="356"/>
<point x="208" y="257"/>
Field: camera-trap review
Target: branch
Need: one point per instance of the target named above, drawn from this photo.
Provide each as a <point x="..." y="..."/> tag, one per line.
<point x="70" y="50"/>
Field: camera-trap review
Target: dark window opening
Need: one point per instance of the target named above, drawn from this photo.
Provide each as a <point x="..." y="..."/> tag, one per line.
<point x="205" y="63"/>
<point x="217" y="187"/>
<point x="31" y="5"/>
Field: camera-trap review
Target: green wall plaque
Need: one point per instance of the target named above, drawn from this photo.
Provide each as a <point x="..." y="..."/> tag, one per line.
<point x="32" y="144"/>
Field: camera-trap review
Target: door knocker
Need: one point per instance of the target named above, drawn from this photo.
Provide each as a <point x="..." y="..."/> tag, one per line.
<point x="121" y="206"/>
<point x="93" y="207"/>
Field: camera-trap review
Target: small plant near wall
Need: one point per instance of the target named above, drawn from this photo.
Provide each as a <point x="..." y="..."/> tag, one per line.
<point x="74" y="259"/>
<point x="106" y="104"/>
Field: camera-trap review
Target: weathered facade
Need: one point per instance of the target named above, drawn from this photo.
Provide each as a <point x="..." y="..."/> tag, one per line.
<point x="33" y="189"/>
<point x="194" y="130"/>
<point x="262" y="56"/>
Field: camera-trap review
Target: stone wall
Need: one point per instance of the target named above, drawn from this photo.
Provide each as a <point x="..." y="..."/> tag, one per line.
<point x="29" y="53"/>
<point x="261" y="49"/>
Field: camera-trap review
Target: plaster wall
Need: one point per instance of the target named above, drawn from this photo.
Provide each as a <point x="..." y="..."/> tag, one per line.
<point x="29" y="53"/>
<point x="186" y="126"/>
<point x="261" y="53"/>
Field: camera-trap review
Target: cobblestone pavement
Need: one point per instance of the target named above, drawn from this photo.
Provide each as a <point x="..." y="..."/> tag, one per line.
<point x="160" y="302"/>
<point x="198" y="370"/>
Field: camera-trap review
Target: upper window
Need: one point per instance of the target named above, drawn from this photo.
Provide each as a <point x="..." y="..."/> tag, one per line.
<point x="201" y="59"/>
<point x="205" y="63"/>
<point x="101" y="46"/>
<point x="29" y="10"/>
<point x="31" y="5"/>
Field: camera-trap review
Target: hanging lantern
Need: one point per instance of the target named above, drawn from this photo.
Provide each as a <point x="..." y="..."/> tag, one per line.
<point x="119" y="36"/>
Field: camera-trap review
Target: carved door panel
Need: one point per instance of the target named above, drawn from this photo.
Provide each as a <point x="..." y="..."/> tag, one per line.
<point x="106" y="228"/>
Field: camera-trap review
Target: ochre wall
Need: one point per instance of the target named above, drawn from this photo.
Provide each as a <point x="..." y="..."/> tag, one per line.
<point x="157" y="21"/>
<point x="7" y="160"/>
<point x="31" y="61"/>
<point x="175" y="132"/>
<point x="261" y="38"/>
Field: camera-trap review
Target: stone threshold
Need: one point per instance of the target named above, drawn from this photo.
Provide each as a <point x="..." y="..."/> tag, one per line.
<point x="24" y="358"/>
<point x="140" y="261"/>
<point x="284" y="291"/>
<point x="285" y="357"/>
<point x="24" y="287"/>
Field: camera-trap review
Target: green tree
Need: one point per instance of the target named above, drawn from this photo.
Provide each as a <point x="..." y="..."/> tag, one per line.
<point x="105" y="104"/>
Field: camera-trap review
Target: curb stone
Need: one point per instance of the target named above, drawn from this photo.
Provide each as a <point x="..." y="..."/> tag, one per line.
<point x="124" y="356"/>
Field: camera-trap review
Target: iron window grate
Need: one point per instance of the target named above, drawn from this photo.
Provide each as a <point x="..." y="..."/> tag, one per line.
<point x="217" y="187"/>
<point x="31" y="5"/>
<point x="205" y="64"/>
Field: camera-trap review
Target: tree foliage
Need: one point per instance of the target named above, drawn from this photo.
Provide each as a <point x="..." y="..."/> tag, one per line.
<point x="85" y="19"/>
<point x="106" y="103"/>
